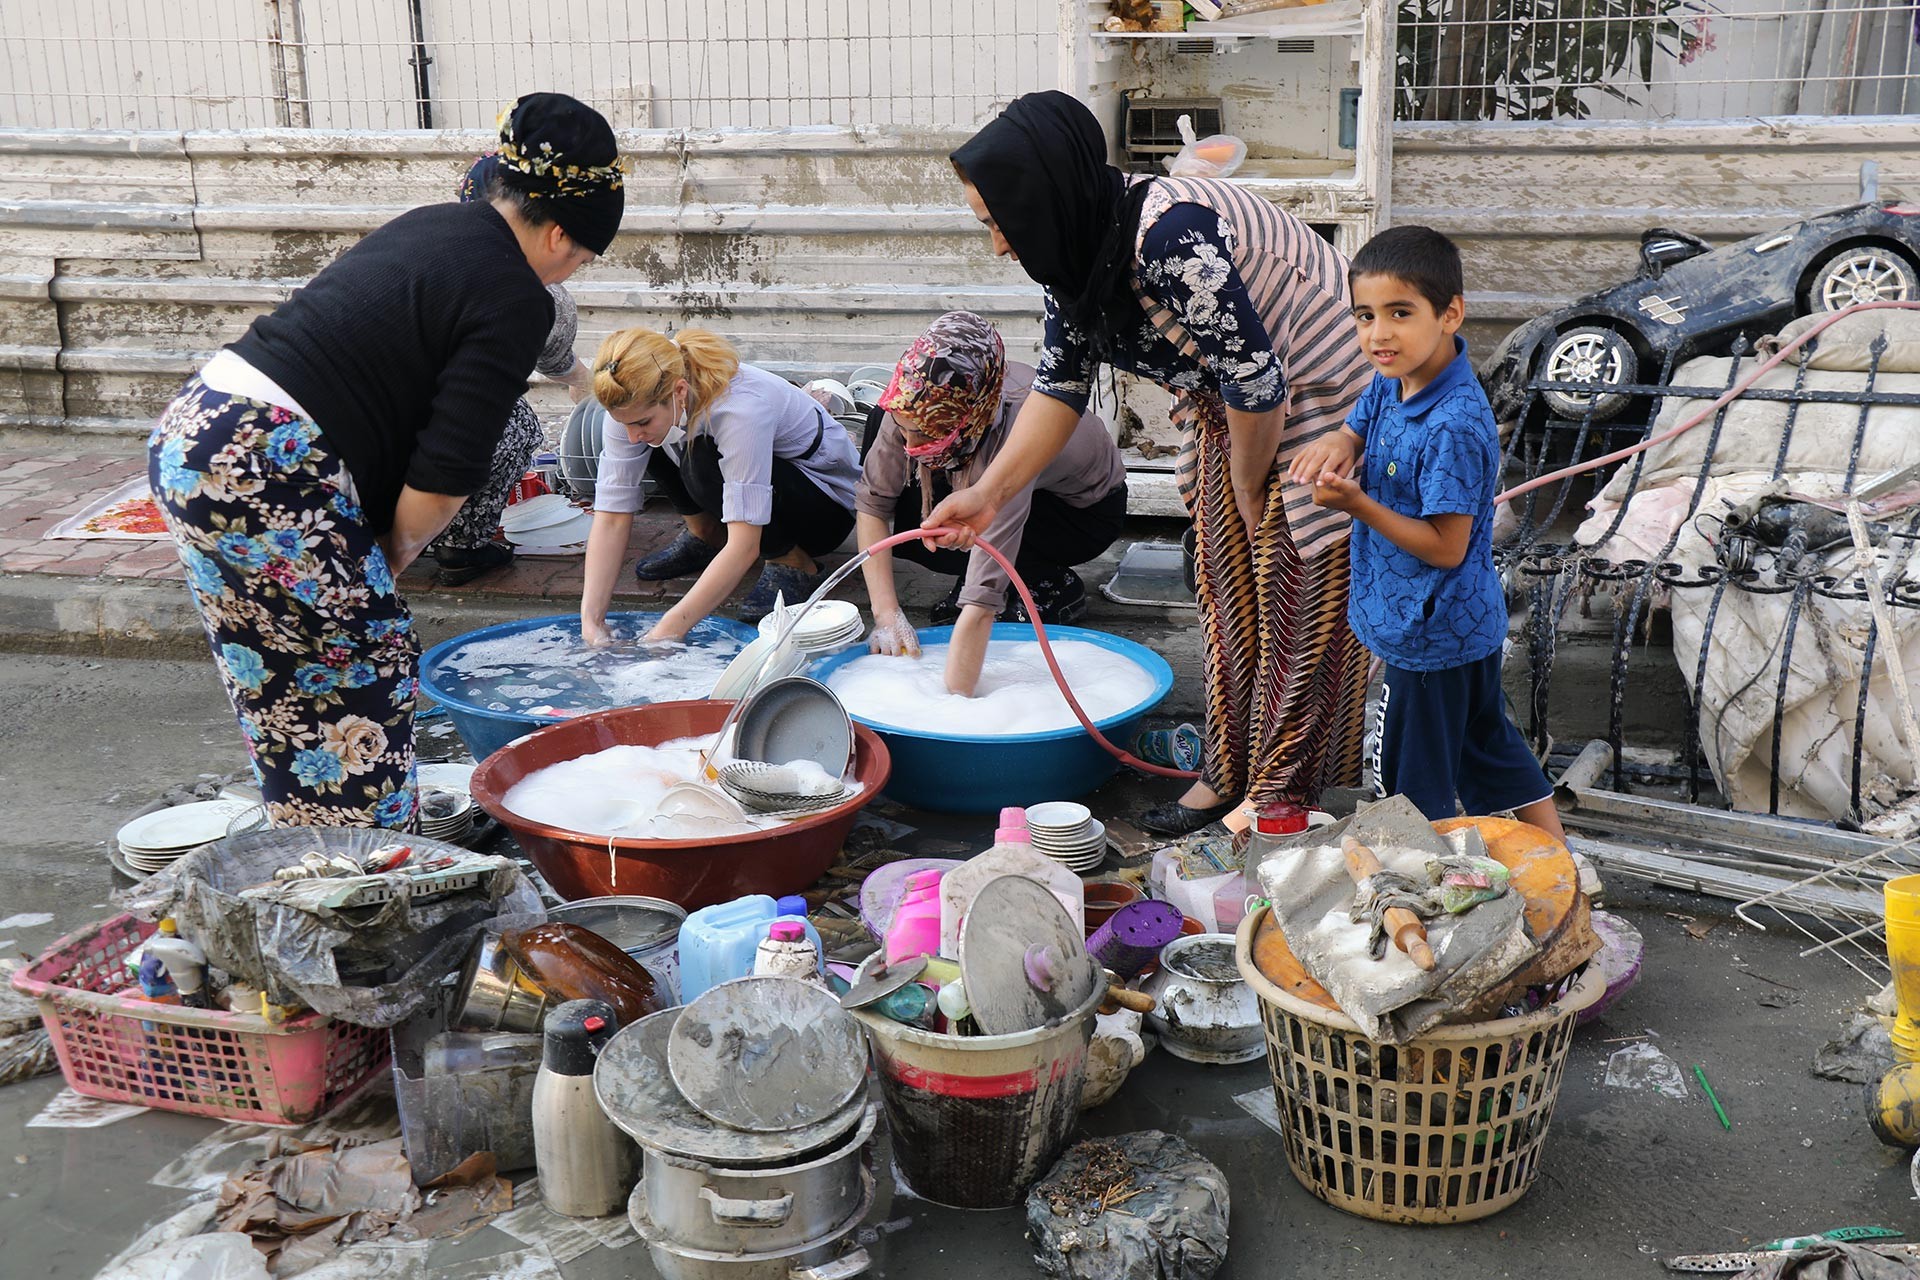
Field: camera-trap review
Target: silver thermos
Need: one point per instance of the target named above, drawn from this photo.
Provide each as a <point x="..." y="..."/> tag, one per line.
<point x="587" y="1166"/>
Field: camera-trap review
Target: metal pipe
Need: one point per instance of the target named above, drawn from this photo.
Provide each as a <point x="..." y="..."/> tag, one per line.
<point x="422" y="87"/>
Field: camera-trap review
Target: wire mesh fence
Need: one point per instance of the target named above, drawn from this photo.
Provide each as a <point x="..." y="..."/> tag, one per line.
<point x="404" y="64"/>
<point x="1655" y="59"/>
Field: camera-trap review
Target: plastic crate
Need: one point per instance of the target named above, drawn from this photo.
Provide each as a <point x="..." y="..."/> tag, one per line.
<point x="204" y="1062"/>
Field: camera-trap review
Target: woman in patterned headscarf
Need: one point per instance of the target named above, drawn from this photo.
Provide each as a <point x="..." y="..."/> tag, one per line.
<point x="942" y="421"/>
<point x="1242" y="311"/>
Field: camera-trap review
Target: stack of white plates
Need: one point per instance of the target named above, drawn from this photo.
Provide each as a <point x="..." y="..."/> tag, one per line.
<point x="155" y="841"/>
<point x="1069" y="834"/>
<point x="447" y="810"/>
<point x="761" y="662"/>
<point x="832" y="624"/>
<point x="546" y="524"/>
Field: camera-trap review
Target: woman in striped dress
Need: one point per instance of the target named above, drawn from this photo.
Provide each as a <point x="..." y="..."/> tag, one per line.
<point x="1242" y="311"/>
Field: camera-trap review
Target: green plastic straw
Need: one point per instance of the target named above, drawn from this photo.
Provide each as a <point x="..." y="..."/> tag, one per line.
<point x="1700" y="1074"/>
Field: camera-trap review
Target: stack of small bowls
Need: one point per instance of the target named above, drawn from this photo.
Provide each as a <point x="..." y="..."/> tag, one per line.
<point x="1069" y="834"/>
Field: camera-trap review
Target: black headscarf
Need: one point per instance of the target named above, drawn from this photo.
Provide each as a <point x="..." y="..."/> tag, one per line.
<point x="1041" y="167"/>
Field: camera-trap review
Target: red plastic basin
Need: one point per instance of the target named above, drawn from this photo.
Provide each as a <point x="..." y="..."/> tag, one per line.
<point x="691" y="873"/>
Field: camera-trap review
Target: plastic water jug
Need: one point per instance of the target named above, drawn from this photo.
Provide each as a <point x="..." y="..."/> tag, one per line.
<point x="1012" y="854"/>
<point x="915" y="930"/>
<point x="717" y="943"/>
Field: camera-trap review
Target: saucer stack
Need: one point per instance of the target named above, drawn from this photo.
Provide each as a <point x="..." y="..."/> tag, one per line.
<point x="829" y="625"/>
<point x="1069" y="834"/>
<point x="155" y="841"/>
<point x="447" y="810"/>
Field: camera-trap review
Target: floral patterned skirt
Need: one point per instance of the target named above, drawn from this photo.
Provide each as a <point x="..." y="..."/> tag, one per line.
<point x="315" y="647"/>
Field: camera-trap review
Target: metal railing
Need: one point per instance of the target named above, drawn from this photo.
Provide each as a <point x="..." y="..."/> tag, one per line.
<point x="1554" y="573"/>
<point x="404" y="64"/>
<point x="1655" y="59"/>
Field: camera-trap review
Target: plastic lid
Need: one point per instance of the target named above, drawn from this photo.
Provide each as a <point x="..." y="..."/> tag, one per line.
<point x="792" y="904"/>
<point x="575" y="1032"/>
<point x="167" y="925"/>
<point x="1280" y="818"/>
<point x="787" y="931"/>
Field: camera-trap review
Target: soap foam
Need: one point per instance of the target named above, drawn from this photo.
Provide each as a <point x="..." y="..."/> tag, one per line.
<point x="1016" y="693"/>
<point x="549" y="671"/>
<point x="617" y="792"/>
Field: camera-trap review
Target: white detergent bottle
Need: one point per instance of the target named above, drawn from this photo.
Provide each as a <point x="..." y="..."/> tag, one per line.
<point x="1012" y="854"/>
<point x="787" y="952"/>
<point x="586" y="1165"/>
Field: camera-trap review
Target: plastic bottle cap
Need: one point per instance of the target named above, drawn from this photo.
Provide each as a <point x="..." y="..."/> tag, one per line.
<point x="787" y="931"/>
<point x="594" y="1024"/>
<point x="792" y="904"/>
<point x="1013" y="816"/>
<point x="1280" y="818"/>
<point x="168" y="926"/>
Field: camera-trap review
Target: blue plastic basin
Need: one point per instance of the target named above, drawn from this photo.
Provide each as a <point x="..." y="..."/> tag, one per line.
<point x="484" y="730"/>
<point x="956" y="773"/>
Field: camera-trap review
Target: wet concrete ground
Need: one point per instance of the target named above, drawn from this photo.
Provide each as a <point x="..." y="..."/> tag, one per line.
<point x="1628" y="1176"/>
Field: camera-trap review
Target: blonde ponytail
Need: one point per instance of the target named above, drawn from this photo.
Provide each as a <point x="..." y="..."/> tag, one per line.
<point x="641" y="366"/>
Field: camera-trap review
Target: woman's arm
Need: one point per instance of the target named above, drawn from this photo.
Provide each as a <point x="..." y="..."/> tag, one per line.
<point x="606" y="553"/>
<point x="1253" y="442"/>
<point x="418" y="518"/>
<point x="1040" y="431"/>
<point x="714" y="584"/>
<point x="967" y="650"/>
<point x="579" y="380"/>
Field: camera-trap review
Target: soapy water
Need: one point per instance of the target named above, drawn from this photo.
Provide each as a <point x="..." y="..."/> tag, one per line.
<point x="617" y="792"/>
<point x="1016" y="693"/>
<point x="550" y="671"/>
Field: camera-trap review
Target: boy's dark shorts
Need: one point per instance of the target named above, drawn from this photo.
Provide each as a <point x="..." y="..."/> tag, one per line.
<point x="1445" y="734"/>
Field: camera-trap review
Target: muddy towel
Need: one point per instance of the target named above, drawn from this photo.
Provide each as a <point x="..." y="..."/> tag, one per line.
<point x="1833" y="1260"/>
<point x="1390" y="998"/>
<point x="1143" y="1206"/>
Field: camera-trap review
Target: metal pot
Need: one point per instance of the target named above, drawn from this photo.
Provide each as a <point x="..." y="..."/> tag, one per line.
<point x="702" y="1206"/>
<point x="826" y="1259"/>
<point x="1204" y="1011"/>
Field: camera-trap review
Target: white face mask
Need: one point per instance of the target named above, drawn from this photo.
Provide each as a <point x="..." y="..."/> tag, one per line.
<point x="676" y="435"/>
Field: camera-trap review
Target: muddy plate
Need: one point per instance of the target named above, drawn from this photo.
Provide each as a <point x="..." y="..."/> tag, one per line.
<point x="637" y="1092"/>
<point x="767" y="1054"/>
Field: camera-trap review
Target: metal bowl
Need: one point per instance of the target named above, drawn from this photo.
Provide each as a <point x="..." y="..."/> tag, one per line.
<point x="795" y="719"/>
<point x="758" y="785"/>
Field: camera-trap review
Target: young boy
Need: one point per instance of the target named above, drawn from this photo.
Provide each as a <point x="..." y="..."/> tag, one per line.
<point x="1425" y="596"/>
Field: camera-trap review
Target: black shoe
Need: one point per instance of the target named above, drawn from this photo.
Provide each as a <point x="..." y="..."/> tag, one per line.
<point x="778" y="581"/>
<point x="685" y="556"/>
<point x="946" y="610"/>
<point x="1176" y="819"/>
<point x="1061" y="595"/>
<point x="461" y="565"/>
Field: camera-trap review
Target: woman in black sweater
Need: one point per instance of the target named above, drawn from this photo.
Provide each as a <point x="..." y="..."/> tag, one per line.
<point x="311" y="461"/>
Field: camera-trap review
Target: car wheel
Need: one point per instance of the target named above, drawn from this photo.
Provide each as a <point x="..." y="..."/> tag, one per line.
<point x="1864" y="273"/>
<point x="1594" y="355"/>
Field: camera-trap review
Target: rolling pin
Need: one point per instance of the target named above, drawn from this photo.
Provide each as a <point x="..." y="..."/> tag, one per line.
<point x="1403" y="926"/>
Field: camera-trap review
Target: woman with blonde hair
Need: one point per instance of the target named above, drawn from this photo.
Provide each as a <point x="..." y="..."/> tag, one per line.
<point x="754" y="465"/>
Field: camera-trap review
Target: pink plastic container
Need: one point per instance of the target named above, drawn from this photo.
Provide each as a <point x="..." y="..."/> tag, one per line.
<point x="204" y="1062"/>
<point x="916" y="922"/>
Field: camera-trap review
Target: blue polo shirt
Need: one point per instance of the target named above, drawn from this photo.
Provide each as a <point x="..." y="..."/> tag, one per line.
<point x="1435" y="454"/>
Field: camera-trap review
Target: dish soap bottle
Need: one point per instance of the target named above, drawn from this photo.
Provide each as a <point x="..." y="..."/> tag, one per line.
<point x="586" y="1165"/>
<point x="787" y="952"/>
<point x="1012" y="854"/>
<point x="915" y="930"/>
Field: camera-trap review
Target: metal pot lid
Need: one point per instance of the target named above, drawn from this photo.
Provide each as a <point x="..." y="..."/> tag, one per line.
<point x="636" y="1090"/>
<point x="877" y="979"/>
<point x="767" y="1054"/>
<point x="1022" y="960"/>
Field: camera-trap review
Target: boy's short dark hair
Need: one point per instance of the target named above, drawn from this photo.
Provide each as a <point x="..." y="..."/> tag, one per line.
<point x="1420" y="256"/>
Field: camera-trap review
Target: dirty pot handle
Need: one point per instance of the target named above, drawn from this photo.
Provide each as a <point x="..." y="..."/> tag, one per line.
<point x="845" y="1267"/>
<point x="747" y="1213"/>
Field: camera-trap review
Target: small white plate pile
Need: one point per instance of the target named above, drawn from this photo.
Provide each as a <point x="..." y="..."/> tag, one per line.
<point x="546" y="525"/>
<point x="447" y="810"/>
<point x="1069" y="834"/>
<point x="155" y="841"/>
<point x="832" y="624"/>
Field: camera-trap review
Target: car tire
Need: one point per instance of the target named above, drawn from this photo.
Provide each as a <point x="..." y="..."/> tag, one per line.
<point x="1863" y="273"/>
<point x="1591" y="354"/>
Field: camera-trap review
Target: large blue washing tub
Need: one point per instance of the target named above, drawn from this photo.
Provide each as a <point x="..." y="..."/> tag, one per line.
<point x="485" y="729"/>
<point x="955" y="773"/>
